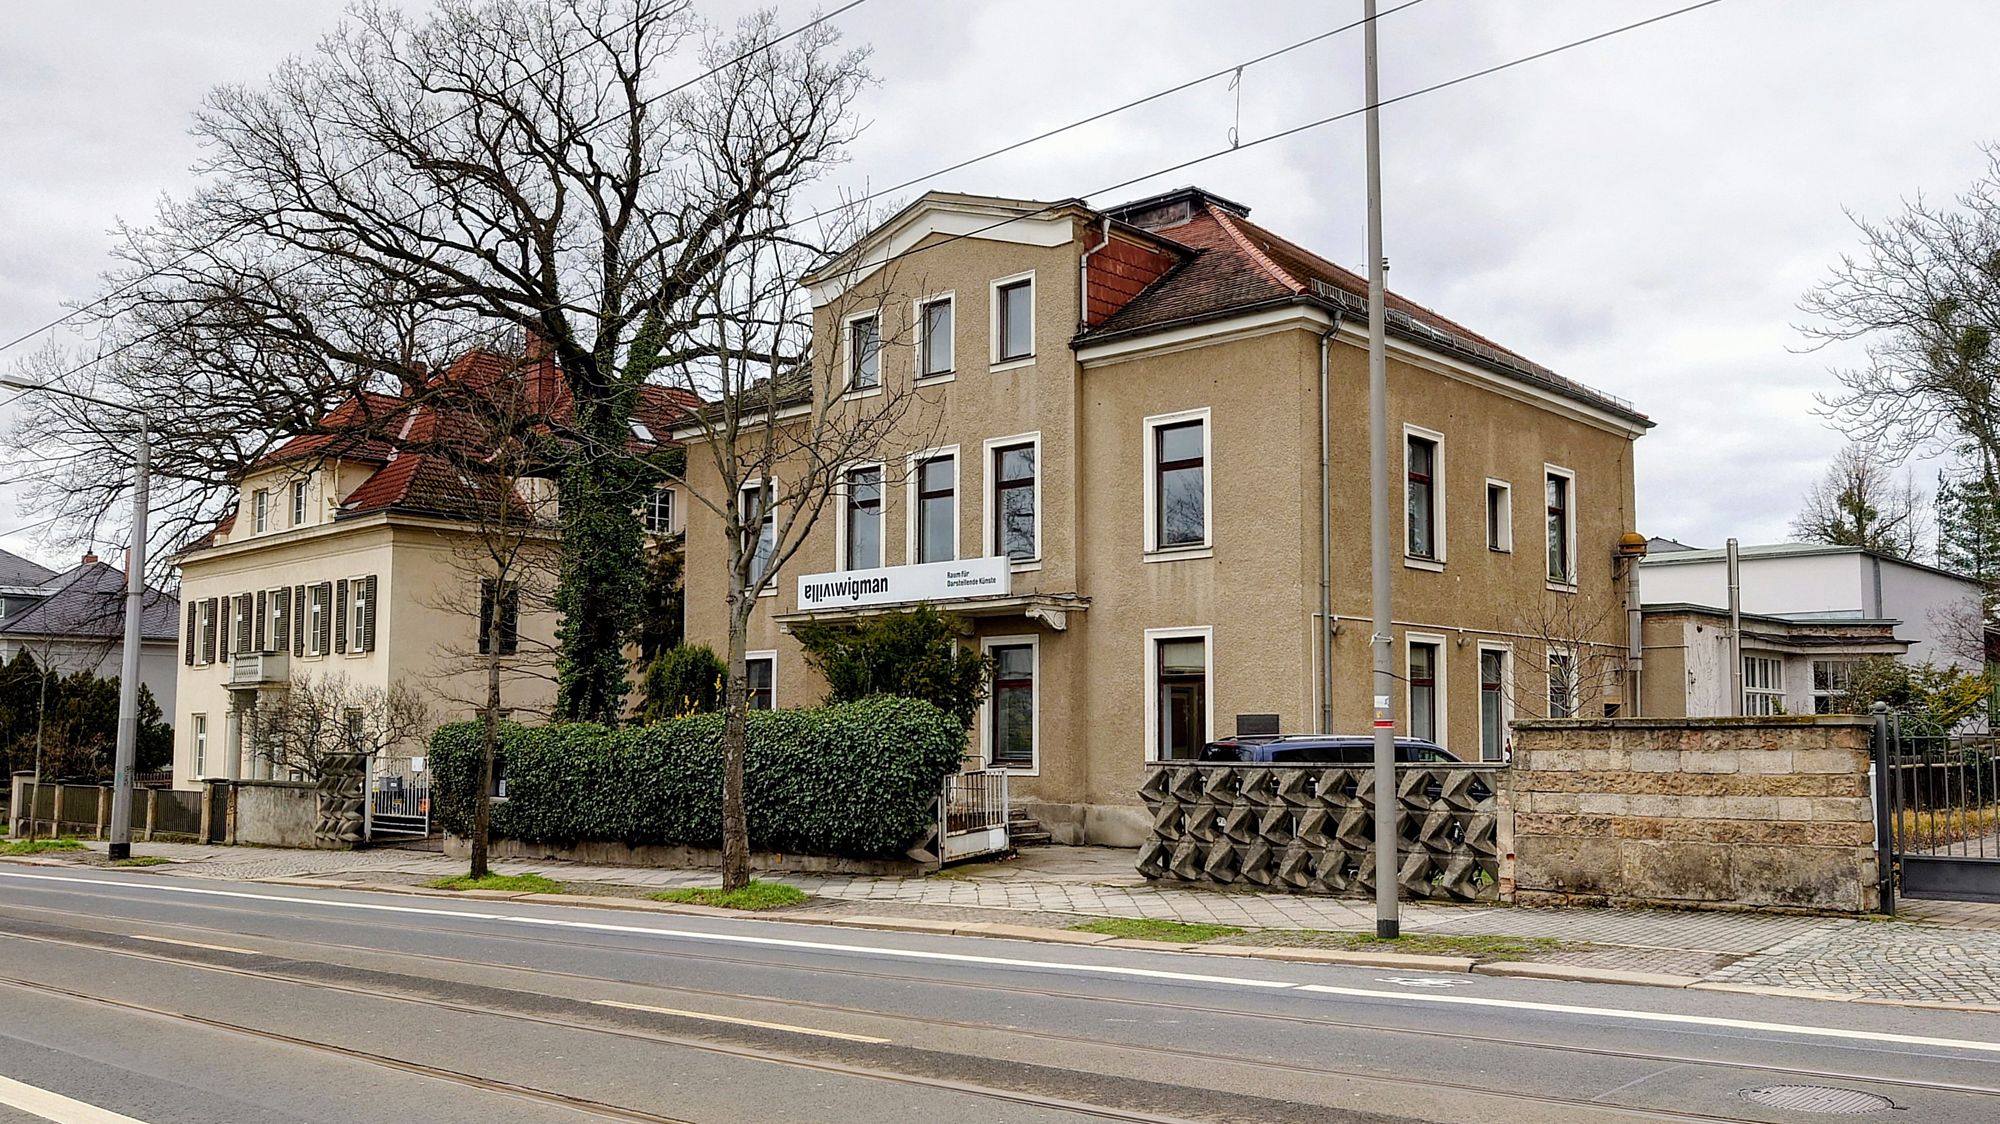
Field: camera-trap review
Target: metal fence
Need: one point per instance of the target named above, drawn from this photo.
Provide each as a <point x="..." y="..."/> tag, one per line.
<point x="1943" y="811"/>
<point x="399" y="798"/>
<point x="972" y="814"/>
<point x="176" y="812"/>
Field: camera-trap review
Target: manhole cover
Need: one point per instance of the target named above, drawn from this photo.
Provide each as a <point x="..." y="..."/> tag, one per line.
<point x="1817" y="1098"/>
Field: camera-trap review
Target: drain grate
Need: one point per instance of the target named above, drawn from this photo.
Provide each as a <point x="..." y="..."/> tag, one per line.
<point x="1817" y="1098"/>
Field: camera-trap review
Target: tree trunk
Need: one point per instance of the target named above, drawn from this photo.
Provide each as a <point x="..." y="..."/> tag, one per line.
<point x="735" y="741"/>
<point x="603" y="563"/>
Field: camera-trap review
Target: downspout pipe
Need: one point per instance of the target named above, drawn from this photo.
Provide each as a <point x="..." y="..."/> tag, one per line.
<point x="1735" y="574"/>
<point x="1083" y="272"/>
<point x="1325" y="636"/>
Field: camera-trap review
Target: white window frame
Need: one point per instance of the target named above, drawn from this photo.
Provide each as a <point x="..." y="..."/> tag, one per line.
<point x="1438" y="523"/>
<point x="1813" y="691"/>
<point x="777" y="500"/>
<point x="848" y="389"/>
<point x="917" y="307"/>
<point x="1440" y="689"/>
<point x="770" y="654"/>
<point x="204" y="650"/>
<point x="271" y="601"/>
<point x="1506" y="697"/>
<point x="1505" y="545"/>
<point x="317" y="607"/>
<point x="1150" y="452"/>
<point x="1775" y="691"/>
<point x="667" y="528"/>
<point x="1575" y="679"/>
<point x="354" y="617"/>
<point x="913" y="504"/>
<point x="198" y="738"/>
<point x="989" y="544"/>
<point x="260" y="508"/>
<point x="840" y="511"/>
<point x="301" y="502"/>
<point x="1034" y="769"/>
<point x="1569" y="519"/>
<point x="1150" y="683"/>
<point x="994" y="362"/>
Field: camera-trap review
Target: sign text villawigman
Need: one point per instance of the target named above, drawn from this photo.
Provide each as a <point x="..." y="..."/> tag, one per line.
<point x="890" y="585"/>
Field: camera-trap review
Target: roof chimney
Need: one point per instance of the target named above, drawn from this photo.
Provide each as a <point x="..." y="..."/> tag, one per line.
<point x="89" y="558"/>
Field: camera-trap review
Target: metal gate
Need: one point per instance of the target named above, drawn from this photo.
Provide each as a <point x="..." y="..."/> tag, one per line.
<point x="399" y="798"/>
<point x="1938" y="801"/>
<point x="972" y="814"/>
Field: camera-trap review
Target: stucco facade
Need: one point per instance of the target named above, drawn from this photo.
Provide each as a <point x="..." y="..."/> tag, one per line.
<point x="423" y="631"/>
<point x="1106" y="602"/>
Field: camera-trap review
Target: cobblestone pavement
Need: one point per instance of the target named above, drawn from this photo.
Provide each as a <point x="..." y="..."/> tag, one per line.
<point x="1956" y="959"/>
<point x="1922" y="963"/>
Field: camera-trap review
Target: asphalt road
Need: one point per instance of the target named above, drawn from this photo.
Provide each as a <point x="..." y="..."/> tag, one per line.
<point x="130" y="996"/>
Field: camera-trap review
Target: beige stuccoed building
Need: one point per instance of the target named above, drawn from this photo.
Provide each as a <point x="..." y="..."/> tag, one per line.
<point x="355" y="553"/>
<point x="1114" y="435"/>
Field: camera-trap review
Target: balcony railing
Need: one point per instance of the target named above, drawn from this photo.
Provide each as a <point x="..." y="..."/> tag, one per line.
<point x="257" y="669"/>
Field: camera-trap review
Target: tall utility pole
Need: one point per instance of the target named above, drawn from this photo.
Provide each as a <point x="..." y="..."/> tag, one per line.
<point x="135" y="610"/>
<point x="1388" y="919"/>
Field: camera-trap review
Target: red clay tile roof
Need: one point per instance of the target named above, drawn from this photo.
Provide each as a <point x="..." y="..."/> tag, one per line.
<point x="1236" y="265"/>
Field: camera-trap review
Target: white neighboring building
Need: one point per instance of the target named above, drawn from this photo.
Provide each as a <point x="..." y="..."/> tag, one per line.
<point x="75" y="621"/>
<point x="1938" y="612"/>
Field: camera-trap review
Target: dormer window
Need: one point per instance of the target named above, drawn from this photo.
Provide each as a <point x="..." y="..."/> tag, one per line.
<point x="640" y="431"/>
<point x="298" y="503"/>
<point x="260" y="506"/>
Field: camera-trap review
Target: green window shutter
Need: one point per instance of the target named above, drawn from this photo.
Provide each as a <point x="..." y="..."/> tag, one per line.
<point x="340" y="616"/>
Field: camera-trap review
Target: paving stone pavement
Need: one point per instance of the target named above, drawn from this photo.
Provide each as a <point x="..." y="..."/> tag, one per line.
<point x="1956" y="960"/>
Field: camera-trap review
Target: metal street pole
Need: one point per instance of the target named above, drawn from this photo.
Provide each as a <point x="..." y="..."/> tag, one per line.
<point x="1388" y="920"/>
<point x="135" y="605"/>
<point x="128" y="676"/>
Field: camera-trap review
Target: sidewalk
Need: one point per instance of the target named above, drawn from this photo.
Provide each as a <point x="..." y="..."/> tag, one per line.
<point x="1937" y="953"/>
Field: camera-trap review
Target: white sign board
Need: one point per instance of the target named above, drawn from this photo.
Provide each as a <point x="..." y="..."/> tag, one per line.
<point x="892" y="585"/>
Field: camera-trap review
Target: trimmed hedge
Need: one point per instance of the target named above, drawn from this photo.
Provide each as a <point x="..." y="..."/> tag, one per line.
<point x="857" y="779"/>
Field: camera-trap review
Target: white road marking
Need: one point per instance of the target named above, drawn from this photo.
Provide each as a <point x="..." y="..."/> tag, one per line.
<point x="714" y="1018"/>
<point x="1412" y="996"/>
<point x="54" y="1106"/>
<point x="1658" y="1017"/>
<point x="1422" y="981"/>
<point x="194" y="944"/>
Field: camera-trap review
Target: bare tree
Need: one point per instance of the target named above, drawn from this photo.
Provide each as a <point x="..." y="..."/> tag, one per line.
<point x="1923" y="296"/>
<point x="1859" y="502"/>
<point x="321" y="717"/>
<point x="418" y="181"/>
<point x="1572" y="659"/>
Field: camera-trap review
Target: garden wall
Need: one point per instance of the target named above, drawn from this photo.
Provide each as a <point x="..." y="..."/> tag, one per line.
<point x="1704" y="812"/>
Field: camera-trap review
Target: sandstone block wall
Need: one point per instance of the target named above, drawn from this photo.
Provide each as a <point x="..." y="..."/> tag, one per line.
<point x="1714" y="812"/>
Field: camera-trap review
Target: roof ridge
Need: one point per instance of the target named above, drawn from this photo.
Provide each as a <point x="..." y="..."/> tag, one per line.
<point x="1228" y="222"/>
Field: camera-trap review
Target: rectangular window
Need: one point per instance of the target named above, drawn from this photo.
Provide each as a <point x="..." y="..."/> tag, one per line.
<point x="1014" y="517"/>
<point x="510" y="617"/>
<point x="1561" y="526"/>
<point x="1830" y="682"/>
<point x="660" y="511"/>
<point x="1014" y="315"/>
<point x="1010" y="708"/>
<point x="277" y="619"/>
<point x="1180" y="685"/>
<point x="1763" y="685"/>
<point x="1492" y="704"/>
<point x="200" y="746"/>
<point x="937" y="508"/>
<point x="864" y="353"/>
<point x="1178" y="451"/>
<point x="358" y="640"/>
<point x="1562" y="684"/>
<point x="757" y="514"/>
<point x="260" y="504"/>
<point x="1421" y="500"/>
<point x="760" y="670"/>
<point x="298" y="503"/>
<point x="863" y="519"/>
<point x="1499" y="516"/>
<point x="205" y="632"/>
<point x="316" y="620"/>
<point x="1424" y="690"/>
<point x="934" y="341"/>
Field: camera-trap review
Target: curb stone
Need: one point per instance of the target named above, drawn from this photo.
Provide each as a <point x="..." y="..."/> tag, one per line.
<point x="1528" y="969"/>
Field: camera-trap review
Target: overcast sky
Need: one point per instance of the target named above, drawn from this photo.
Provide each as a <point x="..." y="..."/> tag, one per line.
<point x="1641" y="214"/>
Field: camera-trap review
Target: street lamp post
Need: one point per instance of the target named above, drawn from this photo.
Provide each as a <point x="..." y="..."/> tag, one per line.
<point x="135" y="609"/>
